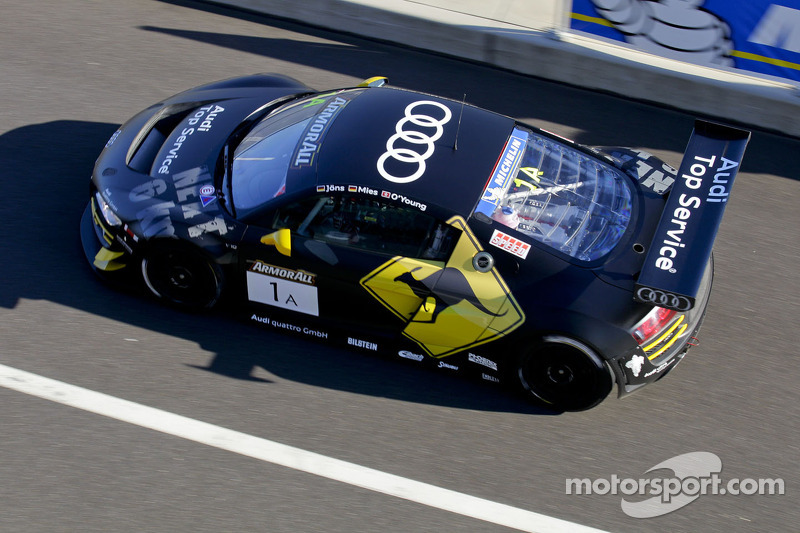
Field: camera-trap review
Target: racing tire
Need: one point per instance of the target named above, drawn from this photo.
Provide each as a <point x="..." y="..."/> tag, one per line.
<point x="182" y="277"/>
<point x="564" y="374"/>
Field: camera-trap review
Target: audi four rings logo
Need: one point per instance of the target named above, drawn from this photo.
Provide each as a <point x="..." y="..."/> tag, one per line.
<point x="664" y="299"/>
<point x="414" y="137"/>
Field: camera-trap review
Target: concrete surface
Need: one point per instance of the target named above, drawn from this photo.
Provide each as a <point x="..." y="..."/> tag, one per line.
<point x="536" y="44"/>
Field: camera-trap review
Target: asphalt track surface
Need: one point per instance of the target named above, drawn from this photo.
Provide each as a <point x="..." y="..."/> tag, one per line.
<point x="71" y="71"/>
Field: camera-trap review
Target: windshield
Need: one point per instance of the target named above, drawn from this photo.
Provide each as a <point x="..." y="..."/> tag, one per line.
<point x="558" y="196"/>
<point x="285" y="140"/>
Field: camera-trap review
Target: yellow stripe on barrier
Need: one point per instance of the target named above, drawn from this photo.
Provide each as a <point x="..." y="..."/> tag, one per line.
<point x="765" y="59"/>
<point x="594" y="20"/>
<point x="733" y="53"/>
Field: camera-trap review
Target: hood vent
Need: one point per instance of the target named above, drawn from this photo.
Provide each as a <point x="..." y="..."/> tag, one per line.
<point x="150" y="139"/>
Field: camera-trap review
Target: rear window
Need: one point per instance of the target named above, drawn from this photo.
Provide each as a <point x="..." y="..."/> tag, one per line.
<point x="558" y="196"/>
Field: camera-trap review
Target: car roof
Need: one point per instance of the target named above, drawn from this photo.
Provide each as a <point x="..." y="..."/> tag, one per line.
<point x="420" y="146"/>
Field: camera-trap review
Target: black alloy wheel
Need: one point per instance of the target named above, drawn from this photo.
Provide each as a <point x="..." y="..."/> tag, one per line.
<point x="565" y="374"/>
<point x="182" y="277"/>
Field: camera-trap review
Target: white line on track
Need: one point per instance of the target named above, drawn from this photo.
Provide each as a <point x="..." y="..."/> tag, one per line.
<point x="280" y="454"/>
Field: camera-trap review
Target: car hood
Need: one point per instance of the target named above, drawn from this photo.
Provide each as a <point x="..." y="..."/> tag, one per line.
<point x="157" y="171"/>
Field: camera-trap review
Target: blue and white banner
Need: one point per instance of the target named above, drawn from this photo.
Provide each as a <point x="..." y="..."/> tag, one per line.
<point x="756" y="35"/>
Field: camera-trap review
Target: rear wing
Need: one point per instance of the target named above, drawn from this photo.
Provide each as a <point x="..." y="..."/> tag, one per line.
<point x="682" y="244"/>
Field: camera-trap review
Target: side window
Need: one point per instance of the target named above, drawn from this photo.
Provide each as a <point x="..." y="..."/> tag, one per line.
<point x="358" y="221"/>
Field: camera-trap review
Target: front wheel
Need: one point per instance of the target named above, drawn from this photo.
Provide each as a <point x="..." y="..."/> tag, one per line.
<point x="182" y="277"/>
<point x="565" y="374"/>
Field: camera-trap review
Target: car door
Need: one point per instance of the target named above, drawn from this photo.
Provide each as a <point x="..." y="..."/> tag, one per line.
<point x="450" y="305"/>
<point x="311" y="256"/>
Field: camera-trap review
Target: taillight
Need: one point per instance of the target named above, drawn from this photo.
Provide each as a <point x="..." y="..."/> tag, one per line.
<point x="652" y="324"/>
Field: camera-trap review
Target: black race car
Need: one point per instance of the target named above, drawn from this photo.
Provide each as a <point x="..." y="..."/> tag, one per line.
<point x="412" y="225"/>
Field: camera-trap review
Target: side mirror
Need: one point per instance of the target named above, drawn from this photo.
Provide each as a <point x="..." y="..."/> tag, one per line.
<point x="281" y="239"/>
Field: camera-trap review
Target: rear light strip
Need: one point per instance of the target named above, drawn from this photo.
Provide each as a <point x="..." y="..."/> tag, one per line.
<point x="678" y="325"/>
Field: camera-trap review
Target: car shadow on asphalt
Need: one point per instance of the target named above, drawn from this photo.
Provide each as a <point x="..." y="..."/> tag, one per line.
<point x="45" y="189"/>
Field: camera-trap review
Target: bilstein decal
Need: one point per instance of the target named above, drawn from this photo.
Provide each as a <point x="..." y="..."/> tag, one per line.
<point x="449" y="307"/>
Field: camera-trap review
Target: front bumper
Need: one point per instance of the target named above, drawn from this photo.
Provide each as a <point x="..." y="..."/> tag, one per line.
<point x="108" y="253"/>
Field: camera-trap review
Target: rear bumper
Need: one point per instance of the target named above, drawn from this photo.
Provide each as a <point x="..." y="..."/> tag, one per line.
<point x="653" y="361"/>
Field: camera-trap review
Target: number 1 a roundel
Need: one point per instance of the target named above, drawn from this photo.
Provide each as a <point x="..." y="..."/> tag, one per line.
<point x="282" y="287"/>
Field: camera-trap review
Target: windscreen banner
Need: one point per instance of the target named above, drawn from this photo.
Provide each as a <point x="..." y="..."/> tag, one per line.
<point x="760" y="36"/>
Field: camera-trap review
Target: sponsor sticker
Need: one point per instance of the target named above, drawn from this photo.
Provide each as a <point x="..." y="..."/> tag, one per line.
<point x="635" y="365"/>
<point x="312" y="137"/>
<point x="207" y="194"/>
<point x="505" y="171"/>
<point x="419" y="129"/>
<point x="207" y="120"/>
<point x="482" y="361"/>
<point x="681" y="247"/>
<point x="362" y="344"/>
<point x="405" y="354"/>
<point x="660" y="368"/>
<point x="282" y="287"/>
<point x="290" y="327"/>
<point x="510" y="244"/>
<point x="205" y="114"/>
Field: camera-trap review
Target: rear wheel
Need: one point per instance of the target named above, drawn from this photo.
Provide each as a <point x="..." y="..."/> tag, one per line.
<point x="565" y="374"/>
<point x="182" y="276"/>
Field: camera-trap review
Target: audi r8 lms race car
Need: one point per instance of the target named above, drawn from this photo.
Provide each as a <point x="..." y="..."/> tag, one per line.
<point x="407" y="224"/>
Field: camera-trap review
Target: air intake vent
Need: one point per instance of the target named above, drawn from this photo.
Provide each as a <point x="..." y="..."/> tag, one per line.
<point x="150" y="140"/>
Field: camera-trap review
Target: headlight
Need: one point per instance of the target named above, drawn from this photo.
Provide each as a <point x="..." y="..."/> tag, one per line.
<point x="108" y="215"/>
